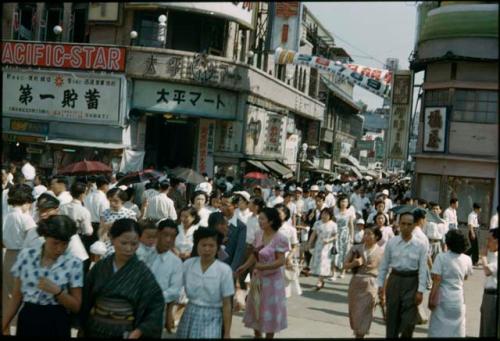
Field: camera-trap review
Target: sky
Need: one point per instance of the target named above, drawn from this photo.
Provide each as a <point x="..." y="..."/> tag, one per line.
<point x="370" y="32"/>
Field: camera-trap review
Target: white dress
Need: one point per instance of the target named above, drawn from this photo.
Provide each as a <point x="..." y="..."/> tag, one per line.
<point x="448" y="318"/>
<point x="321" y="261"/>
<point x="292" y="285"/>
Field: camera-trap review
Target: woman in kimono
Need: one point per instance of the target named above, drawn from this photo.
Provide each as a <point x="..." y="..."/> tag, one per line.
<point x="446" y="300"/>
<point x="323" y="236"/>
<point x="121" y="298"/>
<point x="345" y="232"/>
<point x="363" y="260"/>
<point x="209" y="287"/>
<point x="266" y="303"/>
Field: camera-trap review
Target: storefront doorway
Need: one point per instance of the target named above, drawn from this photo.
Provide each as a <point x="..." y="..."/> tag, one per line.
<point x="170" y="142"/>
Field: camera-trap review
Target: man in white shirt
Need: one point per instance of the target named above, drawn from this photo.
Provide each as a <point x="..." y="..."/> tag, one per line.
<point x="152" y="190"/>
<point x="494" y="220"/>
<point x="473" y="226"/>
<point x="311" y="199"/>
<point x="489" y="312"/>
<point x="435" y="230"/>
<point x="361" y="202"/>
<point x="387" y="200"/>
<point x="167" y="268"/>
<point x="276" y="198"/>
<point x="407" y="257"/>
<point x="58" y="189"/>
<point x="39" y="187"/>
<point x="28" y="171"/>
<point x="243" y="212"/>
<point x="160" y="206"/>
<point x="97" y="202"/>
<point x="330" y="198"/>
<point x="300" y="205"/>
<point x="450" y="214"/>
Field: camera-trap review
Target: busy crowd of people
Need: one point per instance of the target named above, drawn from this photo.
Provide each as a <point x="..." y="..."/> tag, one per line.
<point x="148" y="258"/>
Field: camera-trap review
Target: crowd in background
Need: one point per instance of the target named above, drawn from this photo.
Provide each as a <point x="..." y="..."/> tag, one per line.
<point x="164" y="256"/>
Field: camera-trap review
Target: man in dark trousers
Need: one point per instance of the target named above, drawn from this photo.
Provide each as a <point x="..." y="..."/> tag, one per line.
<point x="406" y="256"/>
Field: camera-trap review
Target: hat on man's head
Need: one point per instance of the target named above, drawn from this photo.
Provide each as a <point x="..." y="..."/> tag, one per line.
<point x="299" y="189"/>
<point x="385" y="192"/>
<point x="360" y="221"/>
<point x="314" y="188"/>
<point x="204" y="187"/>
<point x="243" y="194"/>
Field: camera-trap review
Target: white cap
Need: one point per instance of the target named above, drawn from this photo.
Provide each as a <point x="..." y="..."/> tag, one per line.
<point x="98" y="248"/>
<point x="123" y="187"/>
<point x="385" y="192"/>
<point x="360" y="221"/>
<point x="204" y="187"/>
<point x="314" y="188"/>
<point x="329" y="188"/>
<point x="244" y="194"/>
<point x="299" y="189"/>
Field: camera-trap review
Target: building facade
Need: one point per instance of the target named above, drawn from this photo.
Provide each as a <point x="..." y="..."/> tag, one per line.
<point x="457" y="148"/>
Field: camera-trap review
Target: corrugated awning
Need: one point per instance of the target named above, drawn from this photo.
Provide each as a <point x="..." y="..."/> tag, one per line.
<point x="91" y="144"/>
<point x="278" y="168"/>
<point x="258" y="164"/>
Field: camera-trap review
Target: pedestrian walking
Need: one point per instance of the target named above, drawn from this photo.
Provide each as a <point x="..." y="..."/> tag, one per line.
<point x="363" y="260"/>
<point x="189" y="219"/>
<point x="58" y="185"/>
<point x="489" y="310"/>
<point x="381" y="223"/>
<point x="47" y="282"/>
<point x="435" y="230"/>
<point x="313" y="215"/>
<point x="446" y="300"/>
<point x="379" y="208"/>
<point x="407" y="257"/>
<point x="97" y="202"/>
<point x="359" y="228"/>
<point x="214" y="202"/>
<point x="494" y="219"/>
<point x="147" y="241"/>
<point x="121" y="297"/>
<point x="266" y="303"/>
<point x="159" y="206"/>
<point x="198" y="201"/>
<point x="321" y="243"/>
<point x="473" y="226"/>
<point x="209" y="287"/>
<point x="276" y="198"/>
<point x="345" y="232"/>
<point x="450" y="214"/>
<point x="130" y="203"/>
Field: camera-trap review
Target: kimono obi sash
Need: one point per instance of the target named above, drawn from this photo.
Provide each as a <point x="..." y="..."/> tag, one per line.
<point x="113" y="311"/>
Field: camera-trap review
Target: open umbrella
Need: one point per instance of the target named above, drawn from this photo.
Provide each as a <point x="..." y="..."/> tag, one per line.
<point x="255" y="175"/>
<point x="257" y="179"/>
<point x="136" y="177"/>
<point x="188" y="175"/>
<point x="84" y="168"/>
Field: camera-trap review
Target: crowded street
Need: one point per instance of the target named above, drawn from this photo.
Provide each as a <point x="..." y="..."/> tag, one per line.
<point x="207" y="170"/>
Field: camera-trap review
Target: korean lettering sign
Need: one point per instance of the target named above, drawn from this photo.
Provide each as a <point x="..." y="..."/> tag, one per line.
<point x="184" y="99"/>
<point x="62" y="96"/>
<point x="435" y="129"/>
<point x="66" y="56"/>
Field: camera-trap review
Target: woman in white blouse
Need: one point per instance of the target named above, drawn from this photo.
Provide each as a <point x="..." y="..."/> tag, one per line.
<point x="382" y="223"/>
<point x="189" y="224"/>
<point x="198" y="201"/>
<point x="209" y="287"/>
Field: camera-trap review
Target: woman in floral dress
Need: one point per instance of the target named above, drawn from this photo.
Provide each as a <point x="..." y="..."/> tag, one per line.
<point x="323" y="237"/>
<point x="266" y="303"/>
<point x="345" y="232"/>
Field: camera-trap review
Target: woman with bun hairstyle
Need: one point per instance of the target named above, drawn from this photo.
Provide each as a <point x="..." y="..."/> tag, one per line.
<point x="48" y="281"/>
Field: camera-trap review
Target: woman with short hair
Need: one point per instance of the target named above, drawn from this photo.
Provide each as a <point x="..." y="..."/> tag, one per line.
<point x="48" y="282"/>
<point x="198" y="200"/>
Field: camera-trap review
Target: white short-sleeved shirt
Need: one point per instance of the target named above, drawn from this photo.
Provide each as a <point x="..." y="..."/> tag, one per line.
<point x="204" y="214"/>
<point x="494" y="221"/>
<point x="64" y="198"/>
<point x="39" y="190"/>
<point x="450" y="215"/>
<point x="491" y="281"/>
<point x="79" y="214"/>
<point x="160" y="206"/>
<point x="273" y="201"/>
<point x="210" y="288"/>
<point x="110" y="216"/>
<point x="252" y="228"/>
<point x="167" y="269"/>
<point x="243" y="215"/>
<point x="472" y="219"/>
<point x="330" y="200"/>
<point x="184" y="240"/>
<point x="290" y="233"/>
<point x="96" y="202"/>
<point x="66" y="272"/>
<point x="453" y="268"/>
<point x="16" y="226"/>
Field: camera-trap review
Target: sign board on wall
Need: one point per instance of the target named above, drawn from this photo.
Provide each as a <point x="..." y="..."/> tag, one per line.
<point x="399" y="127"/>
<point x="65" y="56"/>
<point x="238" y="11"/>
<point x="435" y="123"/>
<point x="286" y="21"/>
<point x="265" y="132"/>
<point x="228" y="136"/>
<point x="184" y="99"/>
<point x="63" y="96"/>
<point x="292" y="151"/>
<point x="205" y="140"/>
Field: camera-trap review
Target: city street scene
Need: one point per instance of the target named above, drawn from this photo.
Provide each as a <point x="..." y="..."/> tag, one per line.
<point x="194" y="170"/>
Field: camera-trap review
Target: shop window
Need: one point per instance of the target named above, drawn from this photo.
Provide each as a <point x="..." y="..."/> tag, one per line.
<point x="428" y="187"/>
<point x="468" y="191"/>
<point x="53" y="16"/>
<point x="437" y="97"/>
<point x="146" y="26"/>
<point x="24" y="22"/>
<point x="476" y="106"/>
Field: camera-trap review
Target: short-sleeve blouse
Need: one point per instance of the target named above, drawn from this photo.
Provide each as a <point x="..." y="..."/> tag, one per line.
<point x="66" y="272"/>
<point x="110" y="216"/>
<point x="267" y="253"/>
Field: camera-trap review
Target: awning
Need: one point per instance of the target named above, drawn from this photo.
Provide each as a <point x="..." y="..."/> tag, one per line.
<point x="91" y="144"/>
<point x="349" y="167"/>
<point x="322" y="171"/>
<point x="279" y="168"/>
<point x="258" y="164"/>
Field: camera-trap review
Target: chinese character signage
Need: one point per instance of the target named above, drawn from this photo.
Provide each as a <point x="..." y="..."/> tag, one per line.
<point x="63" y="96"/>
<point x="205" y="146"/>
<point x="435" y="129"/>
<point x="399" y="125"/>
<point x="265" y="132"/>
<point x="66" y="56"/>
<point x="184" y="99"/>
<point x="286" y="29"/>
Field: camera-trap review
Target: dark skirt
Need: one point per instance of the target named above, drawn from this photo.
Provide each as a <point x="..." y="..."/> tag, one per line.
<point x="43" y="320"/>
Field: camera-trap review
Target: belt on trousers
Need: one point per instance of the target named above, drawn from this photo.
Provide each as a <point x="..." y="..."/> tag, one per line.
<point x="490" y="291"/>
<point x="435" y="240"/>
<point x="410" y="273"/>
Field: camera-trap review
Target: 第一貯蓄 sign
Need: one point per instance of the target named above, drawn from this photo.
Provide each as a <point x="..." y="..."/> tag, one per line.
<point x="63" y="96"/>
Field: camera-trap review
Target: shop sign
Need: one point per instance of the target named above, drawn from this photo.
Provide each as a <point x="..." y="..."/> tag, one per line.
<point x="435" y="122"/>
<point x="205" y="160"/>
<point x="265" y="132"/>
<point x="24" y="139"/>
<point x="292" y="151"/>
<point x="29" y="126"/>
<point x="229" y="136"/>
<point x="34" y="150"/>
<point x="184" y="99"/>
<point x="345" y="149"/>
<point x="286" y="29"/>
<point x="379" y="150"/>
<point x="399" y="128"/>
<point x="65" y="56"/>
<point x="63" y="96"/>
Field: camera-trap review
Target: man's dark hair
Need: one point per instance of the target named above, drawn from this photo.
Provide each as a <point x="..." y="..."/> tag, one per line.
<point x="101" y="181"/>
<point x="457" y="241"/>
<point x="284" y="209"/>
<point x="60" y="180"/>
<point x="476" y="206"/>
<point x="77" y="189"/>
<point x="453" y="201"/>
<point x="168" y="223"/>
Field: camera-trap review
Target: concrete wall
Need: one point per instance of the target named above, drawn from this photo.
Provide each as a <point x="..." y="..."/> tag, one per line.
<point x="456" y="167"/>
<point x="473" y="139"/>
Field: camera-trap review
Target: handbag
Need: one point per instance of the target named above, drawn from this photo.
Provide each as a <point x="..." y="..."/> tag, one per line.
<point x="333" y="250"/>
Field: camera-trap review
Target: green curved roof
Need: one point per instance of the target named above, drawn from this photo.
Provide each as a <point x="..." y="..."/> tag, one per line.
<point x="461" y="24"/>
